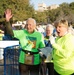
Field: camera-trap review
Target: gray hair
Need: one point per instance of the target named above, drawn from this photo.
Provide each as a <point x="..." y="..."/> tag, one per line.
<point x="32" y="20"/>
<point x="51" y="26"/>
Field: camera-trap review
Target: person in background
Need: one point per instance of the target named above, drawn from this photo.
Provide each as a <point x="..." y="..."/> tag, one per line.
<point x="1" y="30"/>
<point x="49" y="33"/>
<point x="23" y="25"/>
<point x="40" y="28"/>
<point x="30" y="40"/>
<point x="1" y="34"/>
<point x="63" y="49"/>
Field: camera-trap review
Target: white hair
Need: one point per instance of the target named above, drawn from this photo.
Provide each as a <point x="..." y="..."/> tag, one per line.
<point x="51" y="26"/>
<point x="32" y="19"/>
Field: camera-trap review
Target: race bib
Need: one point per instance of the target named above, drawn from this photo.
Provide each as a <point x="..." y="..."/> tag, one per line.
<point x="29" y="59"/>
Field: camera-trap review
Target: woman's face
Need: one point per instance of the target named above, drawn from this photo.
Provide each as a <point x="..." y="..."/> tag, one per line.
<point x="61" y="30"/>
<point x="49" y="31"/>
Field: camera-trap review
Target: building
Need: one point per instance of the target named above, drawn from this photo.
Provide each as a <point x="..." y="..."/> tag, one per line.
<point x="42" y="7"/>
<point x="54" y="6"/>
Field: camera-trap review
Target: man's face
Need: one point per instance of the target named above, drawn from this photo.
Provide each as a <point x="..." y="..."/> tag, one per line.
<point x="61" y="30"/>
<point x="30" y="26"/>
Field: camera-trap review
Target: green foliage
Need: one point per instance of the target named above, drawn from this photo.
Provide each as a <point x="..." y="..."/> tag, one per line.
<point x="72" y="5"/>
<point x="65" y="11"/>
<point x="40" y="17"/>
<point x="20" y="8"/>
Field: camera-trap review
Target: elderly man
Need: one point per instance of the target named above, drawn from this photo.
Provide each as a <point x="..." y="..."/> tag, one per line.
<point x="30" y="41"/>
<point x="63" y="49"/>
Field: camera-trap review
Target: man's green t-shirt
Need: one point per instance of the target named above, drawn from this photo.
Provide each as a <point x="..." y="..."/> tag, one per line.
<point x="30" y="42"/>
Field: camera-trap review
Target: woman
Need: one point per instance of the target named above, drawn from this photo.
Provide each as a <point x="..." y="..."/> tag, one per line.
<point x="48" y="64"/>
<point x="63" y="49"/>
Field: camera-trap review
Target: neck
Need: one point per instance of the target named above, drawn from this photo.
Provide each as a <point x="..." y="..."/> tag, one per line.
<point x="31" y="32"/>
<point x="64" y="34"/>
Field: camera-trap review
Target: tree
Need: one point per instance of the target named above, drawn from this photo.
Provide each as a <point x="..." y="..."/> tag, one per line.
<point x="22" y="9"/>
<point x="72" y="5"/>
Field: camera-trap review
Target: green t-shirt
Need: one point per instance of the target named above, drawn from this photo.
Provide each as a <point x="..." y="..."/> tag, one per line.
<point x="30" y="42"/>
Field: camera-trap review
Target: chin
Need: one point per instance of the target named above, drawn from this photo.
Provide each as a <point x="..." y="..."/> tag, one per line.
<point x="59" y="35"/>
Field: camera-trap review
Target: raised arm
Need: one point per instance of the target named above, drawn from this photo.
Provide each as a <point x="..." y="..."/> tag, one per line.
<point x="8" y="16"/>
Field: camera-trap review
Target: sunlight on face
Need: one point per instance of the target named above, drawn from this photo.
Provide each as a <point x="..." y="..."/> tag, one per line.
<point x="61" y="27"/>
<point x="30" y="26"/>
<point x="61" y="30"/>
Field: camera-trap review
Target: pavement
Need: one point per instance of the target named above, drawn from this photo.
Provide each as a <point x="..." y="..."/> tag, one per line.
<point x="10" y="69"/>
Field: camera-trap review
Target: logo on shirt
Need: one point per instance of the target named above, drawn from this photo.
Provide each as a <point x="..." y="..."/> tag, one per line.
<point x="31" y="41"/>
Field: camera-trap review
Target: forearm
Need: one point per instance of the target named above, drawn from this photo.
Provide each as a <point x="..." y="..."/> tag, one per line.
<point x="9" y="29"/>
<point x="65" y="51"/>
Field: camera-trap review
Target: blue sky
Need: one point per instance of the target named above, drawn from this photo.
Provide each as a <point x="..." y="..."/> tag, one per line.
<point x="48" y="2"/>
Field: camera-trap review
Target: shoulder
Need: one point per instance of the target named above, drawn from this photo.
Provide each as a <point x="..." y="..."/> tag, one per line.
<point x="37" y="32"/>
<point x="69" y="38"/>
<point x="19" y="32"/>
